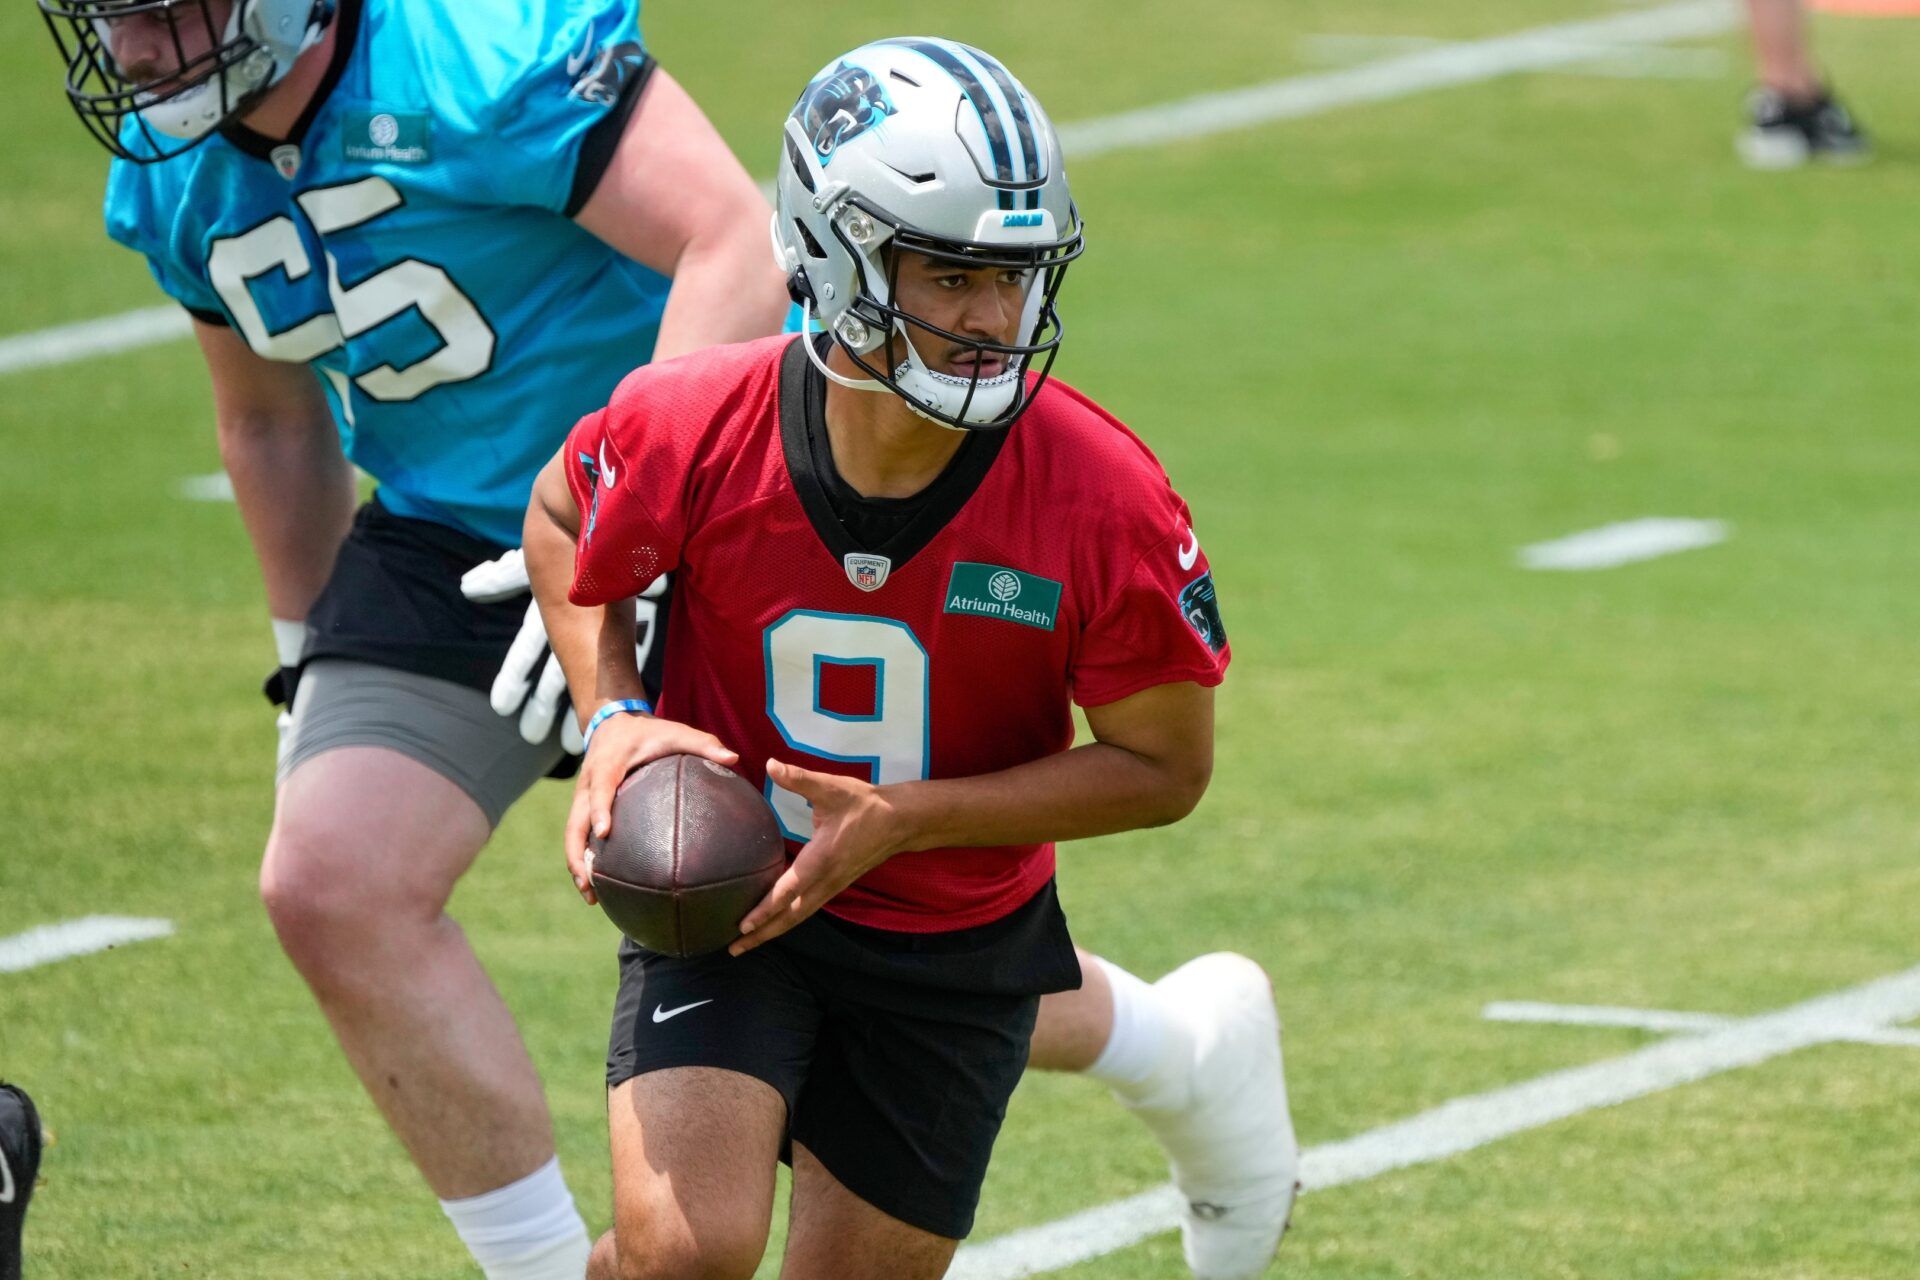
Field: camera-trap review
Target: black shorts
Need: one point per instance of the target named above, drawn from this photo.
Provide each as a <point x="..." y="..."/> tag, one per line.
<point x="895" y="1053"/>
<point x="393" y="600"/>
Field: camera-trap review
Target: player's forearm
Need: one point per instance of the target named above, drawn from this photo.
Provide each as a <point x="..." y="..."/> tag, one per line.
<point x="616" y="673"/>
<point x="295" y="490"/>
<point x="725" y="289"/>
<point x="596" y="650"/>
<point x="1093" y="790"/>
<point x="585" y="640"/>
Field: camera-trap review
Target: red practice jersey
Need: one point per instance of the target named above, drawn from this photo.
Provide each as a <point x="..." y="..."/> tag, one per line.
<point x="1052" y="563"/>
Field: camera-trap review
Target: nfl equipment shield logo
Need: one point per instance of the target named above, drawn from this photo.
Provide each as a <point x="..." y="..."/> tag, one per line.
<point x="286" y="160"/>
<point x="869" y="573"/>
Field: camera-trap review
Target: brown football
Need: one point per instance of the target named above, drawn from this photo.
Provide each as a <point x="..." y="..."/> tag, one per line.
<point x="692" y="848"/>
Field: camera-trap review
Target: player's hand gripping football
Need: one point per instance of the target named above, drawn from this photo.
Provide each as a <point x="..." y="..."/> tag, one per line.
<point x="620" y="745"/>
<point x="516" y="691"/>
<point x="855" y="829"/>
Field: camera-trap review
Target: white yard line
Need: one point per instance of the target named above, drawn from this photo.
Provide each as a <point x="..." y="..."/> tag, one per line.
<point x="1341" y="49"/>
<point x="70" y="938"/>
<point x="66" y="343"/>
<point x="1601" y="1015"/>
<point x="1668" y="1020"/>
<point x="1628" y="542"/>
<point x="1652" y="62"/>
<point x="1419" y="71"/>
<point x="1894" y="1037"/>
<point x="1465" y="1123"/>
<point x="1617" y="59"/>
<point x="215" y="486"/>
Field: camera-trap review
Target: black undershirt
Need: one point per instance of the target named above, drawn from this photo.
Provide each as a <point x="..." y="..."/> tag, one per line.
<point x="896" y="529"/>
<point x="870" y="522"/>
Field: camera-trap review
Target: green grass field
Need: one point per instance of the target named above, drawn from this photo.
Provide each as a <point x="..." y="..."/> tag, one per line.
<point x="1378" y="350"/>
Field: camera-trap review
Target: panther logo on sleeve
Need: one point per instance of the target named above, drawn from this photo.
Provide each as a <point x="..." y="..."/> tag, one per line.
<point x="592" y="469"/>
<point x="1201" y="605"/>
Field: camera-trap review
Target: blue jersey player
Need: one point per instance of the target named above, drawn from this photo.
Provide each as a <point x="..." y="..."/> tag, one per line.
<point x="425" y="237"/>
<point x="421" y="237"/>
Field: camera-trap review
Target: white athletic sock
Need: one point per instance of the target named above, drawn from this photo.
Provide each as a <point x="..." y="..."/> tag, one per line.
<point x="1149" y="1053"/>
<point x="526" y="1230"/>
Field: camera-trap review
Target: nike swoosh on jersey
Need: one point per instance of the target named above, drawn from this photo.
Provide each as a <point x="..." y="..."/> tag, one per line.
<point x="575" y="61"/>
<point x="661" y="1015"/>
<point x="606" y="471"/>
<point x="6" y="1179"/>
<point x="1190" y="552"/>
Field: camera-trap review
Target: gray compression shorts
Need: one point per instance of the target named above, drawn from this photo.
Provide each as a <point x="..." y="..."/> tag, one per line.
<point x="448" y="727"/>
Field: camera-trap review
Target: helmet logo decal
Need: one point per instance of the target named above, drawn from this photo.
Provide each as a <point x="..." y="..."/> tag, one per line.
<point x="840" y="106"/>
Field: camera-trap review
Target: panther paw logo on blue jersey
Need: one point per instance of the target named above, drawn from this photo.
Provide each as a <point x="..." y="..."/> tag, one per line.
<point x="840" y="106"/>
<point x="608" y="72"/>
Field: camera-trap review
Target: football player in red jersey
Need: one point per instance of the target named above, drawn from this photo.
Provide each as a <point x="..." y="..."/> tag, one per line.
<point x="888" y="605"/>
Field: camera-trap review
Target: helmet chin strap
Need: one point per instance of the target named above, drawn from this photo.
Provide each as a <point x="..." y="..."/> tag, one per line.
<point x="855" y="384"/>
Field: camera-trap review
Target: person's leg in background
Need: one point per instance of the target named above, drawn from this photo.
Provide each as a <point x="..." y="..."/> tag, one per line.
<point x="391" y="786"/>
<point x="1196" y="1056"/>
<point x="1792" y="116"/>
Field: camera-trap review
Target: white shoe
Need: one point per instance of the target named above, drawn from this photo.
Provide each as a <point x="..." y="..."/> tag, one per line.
<point x="1231" y="1144"/>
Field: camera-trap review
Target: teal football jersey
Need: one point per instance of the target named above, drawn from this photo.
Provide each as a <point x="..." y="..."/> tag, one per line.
<point x="413" y="241"/>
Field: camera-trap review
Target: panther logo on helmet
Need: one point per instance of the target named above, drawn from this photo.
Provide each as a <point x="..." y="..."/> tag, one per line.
<point x="840" y="106"/>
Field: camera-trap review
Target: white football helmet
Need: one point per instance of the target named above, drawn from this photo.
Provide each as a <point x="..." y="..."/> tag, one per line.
<point x="231" y="64"/>
<point x="925" y="145"/>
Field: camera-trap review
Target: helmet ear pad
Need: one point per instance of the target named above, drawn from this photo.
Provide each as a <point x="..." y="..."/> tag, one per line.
<point x="794" y="246"/>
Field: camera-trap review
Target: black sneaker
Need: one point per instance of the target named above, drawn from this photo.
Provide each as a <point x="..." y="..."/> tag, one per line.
<point x="20" y="1143"/>
<point x="1784" y="134"/>
<point x="1835" y="136"/>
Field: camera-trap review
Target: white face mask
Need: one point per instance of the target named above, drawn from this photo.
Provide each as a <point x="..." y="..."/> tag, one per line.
<point x="199" y="111"/>
<point x="943" y="398"/>
<point x="258" y="44"/>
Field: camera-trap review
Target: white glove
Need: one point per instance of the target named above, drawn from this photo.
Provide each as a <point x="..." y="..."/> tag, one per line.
<point x="289" y="640"/>
<point x="515" y="690"/>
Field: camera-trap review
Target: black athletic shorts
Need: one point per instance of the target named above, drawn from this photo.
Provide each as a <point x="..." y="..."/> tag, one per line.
<point x="896" y="1053"/>
<point x="394" y="600"/>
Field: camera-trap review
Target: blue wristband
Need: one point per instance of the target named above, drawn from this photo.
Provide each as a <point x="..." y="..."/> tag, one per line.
<point x="624" y="707"/>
